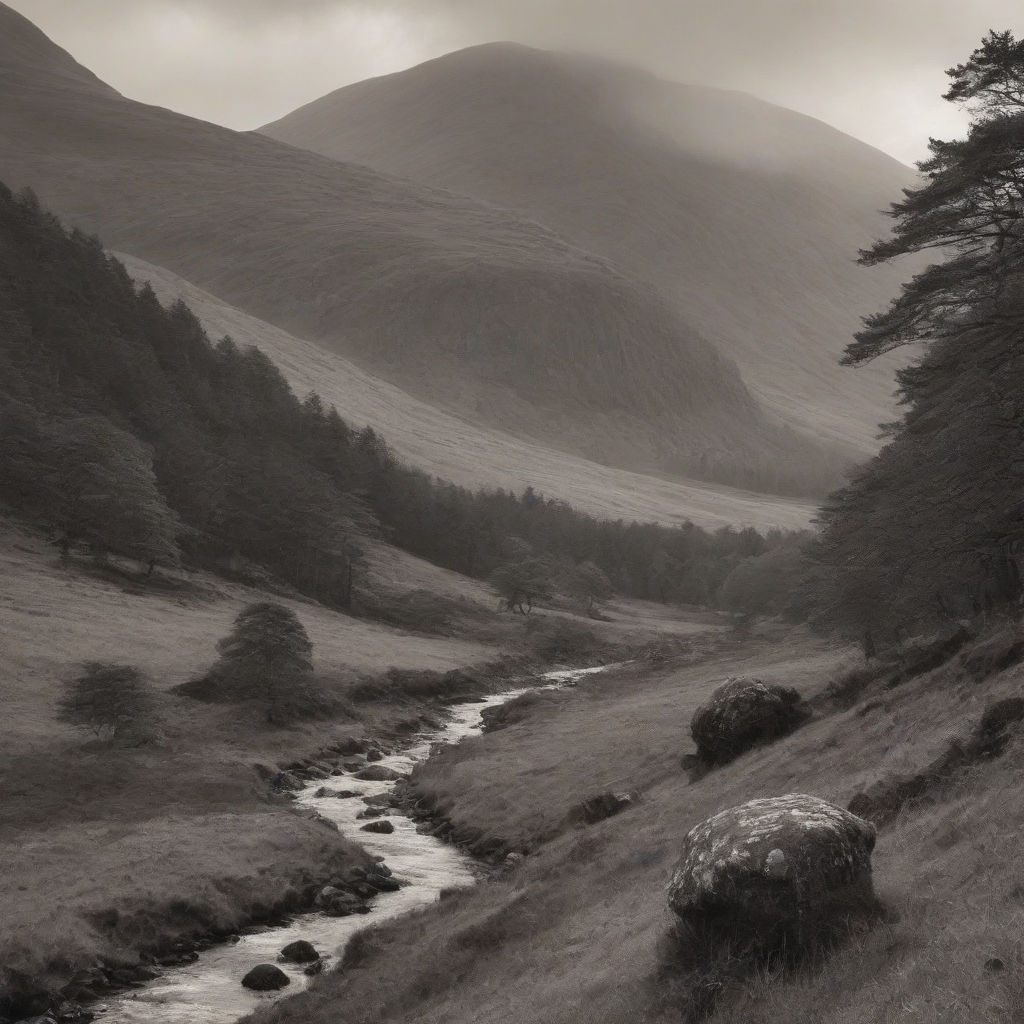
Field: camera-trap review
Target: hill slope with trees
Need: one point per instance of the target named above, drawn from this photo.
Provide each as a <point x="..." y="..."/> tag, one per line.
<point x="471" y="307"/>
<point x="125" y="430"/>
<point x="933" y="528"/>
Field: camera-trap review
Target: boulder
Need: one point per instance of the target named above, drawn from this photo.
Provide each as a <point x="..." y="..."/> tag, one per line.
<point x="266" y="978"/>
<point x="382" y="882"/>
<point x="344" y="904"/>
<point x="300" y="952"/>
<point x="784" y="872"/>
<point x="743" y="713"/>
<point x="383" y="826"/>
<point x="378" y="773"/>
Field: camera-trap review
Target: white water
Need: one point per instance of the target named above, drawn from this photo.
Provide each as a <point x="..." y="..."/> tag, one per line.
<point x="209" y="991"/>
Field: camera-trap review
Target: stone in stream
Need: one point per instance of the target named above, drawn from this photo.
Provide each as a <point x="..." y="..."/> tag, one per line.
<point x="372" y="812"/>
<point x="378" y="773"/>
<point x="343" y="904"/>
<point x="266" y="978"/>
<point x="779" y="873"/>
<point x="300" y="952"/>
<point x="741" y="714"/>
<point x="384" y="827"/>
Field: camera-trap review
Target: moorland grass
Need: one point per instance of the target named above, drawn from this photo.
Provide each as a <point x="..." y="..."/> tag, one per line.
<point x="576" y="933"/>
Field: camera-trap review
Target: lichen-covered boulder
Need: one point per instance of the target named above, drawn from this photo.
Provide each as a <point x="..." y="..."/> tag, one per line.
<point x="743" y="713"/>
<point x="780" y="872"/>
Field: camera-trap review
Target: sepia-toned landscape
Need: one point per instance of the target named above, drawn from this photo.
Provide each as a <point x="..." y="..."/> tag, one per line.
<point x="531" y="534"/>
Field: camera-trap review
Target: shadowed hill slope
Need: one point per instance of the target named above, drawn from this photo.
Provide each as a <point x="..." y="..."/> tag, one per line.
<point x="453" y="448"/>
<point x="471" y="307"/>
<point x="747" y="216"/>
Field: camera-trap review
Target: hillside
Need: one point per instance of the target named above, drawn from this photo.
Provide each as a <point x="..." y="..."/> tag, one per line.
<point x="470" y="307"/>
<point x="577" y="930"/>
<point x="456" y="449"/>
<point x="746" y="216"/>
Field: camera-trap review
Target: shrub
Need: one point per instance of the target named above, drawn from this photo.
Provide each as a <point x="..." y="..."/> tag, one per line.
<point x="267" y="657"/>
<point x="110" y="700"/>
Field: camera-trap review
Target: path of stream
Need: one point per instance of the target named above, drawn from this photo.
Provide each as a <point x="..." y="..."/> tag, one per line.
<point x="209" y="991"/>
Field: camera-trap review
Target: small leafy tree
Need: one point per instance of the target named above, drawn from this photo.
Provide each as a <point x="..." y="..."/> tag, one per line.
<point x="588" y="585"/>
<point x="520" y="583"/>
<point x="267" y="656"/>
<point x="112" y="701"/>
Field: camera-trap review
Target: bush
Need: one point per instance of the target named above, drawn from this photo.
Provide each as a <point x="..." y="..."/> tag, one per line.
<point x="112" y="701"/>
<point x="267" y="658"/>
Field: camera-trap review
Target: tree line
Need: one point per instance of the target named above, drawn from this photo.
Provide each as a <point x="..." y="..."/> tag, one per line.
<point x="126" y="431"/>
<point x="932" y="529"/>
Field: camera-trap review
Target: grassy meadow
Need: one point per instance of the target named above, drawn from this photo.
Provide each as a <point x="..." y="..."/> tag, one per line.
<point x="108" y="848"/>
<point x="577" y="932"/>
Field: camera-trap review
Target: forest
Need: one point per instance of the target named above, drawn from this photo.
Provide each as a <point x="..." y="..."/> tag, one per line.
<point x="932" y="529"/>
<point x="124" y="430"/>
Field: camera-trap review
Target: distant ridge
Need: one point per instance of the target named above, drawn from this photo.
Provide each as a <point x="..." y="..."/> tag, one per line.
<point x="471" y="307"/>
<point x="745" y="215"/>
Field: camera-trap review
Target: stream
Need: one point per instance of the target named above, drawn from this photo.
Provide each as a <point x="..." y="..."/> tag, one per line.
<point x="209" y="991"/>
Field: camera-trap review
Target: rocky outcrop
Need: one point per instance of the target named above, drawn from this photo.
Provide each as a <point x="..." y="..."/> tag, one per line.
<point x="780" y="873"/>
<point x="883" y="800"/>
<point x="266" y="978"/>
<point x="741" y="714"/>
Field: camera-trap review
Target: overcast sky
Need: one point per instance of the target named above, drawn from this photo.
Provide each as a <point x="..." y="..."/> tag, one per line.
<point x="873" y="68"/>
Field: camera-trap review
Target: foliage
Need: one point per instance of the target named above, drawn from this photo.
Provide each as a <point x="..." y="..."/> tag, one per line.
<point x="109" y="700"/>
<point x="267" y="657"/>
<point x="523" y="581"/>
<point x="933" y="527"/>
<point x="204" y="447"/>
<point x="588" y="585"/>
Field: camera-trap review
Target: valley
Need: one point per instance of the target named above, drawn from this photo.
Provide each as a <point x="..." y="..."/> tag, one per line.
<point x="520" y="537"/>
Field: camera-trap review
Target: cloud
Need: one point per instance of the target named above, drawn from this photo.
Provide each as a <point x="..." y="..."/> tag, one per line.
<point x="873" y="68"/>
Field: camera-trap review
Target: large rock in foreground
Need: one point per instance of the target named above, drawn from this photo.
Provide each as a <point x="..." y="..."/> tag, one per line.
<point x="781" y="873"/>
<point x="743" y="713"/>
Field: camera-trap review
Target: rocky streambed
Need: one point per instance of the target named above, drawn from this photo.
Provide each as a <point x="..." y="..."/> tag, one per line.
<point x="209" y="990"/>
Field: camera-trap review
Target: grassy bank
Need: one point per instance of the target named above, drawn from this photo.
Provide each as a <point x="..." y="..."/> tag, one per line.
<point x="576" y="933"/>
<point x="113" y="850"/>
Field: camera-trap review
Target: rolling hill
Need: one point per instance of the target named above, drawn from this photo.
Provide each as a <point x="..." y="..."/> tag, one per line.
<point x="472" y="308"/>
<point x="746" y="216"/>
<point x="453" y="448"/>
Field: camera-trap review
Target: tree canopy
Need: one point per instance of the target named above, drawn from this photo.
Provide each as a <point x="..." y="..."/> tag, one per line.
<point x="933" y="527"/>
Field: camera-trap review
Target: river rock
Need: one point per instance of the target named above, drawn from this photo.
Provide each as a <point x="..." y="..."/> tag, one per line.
<point x="300" y="952"/>
<point x="778" y="872"/>
<point x="383" y="883"/>
<point x="372" y="812"/>
<point x="374" y="755"/>
<point x="384" y="827"/>
<point x="743" y="713"/>
<point x="343" y="904"/>
<point x="266" y="978"/>
<point x="378" y="773"/>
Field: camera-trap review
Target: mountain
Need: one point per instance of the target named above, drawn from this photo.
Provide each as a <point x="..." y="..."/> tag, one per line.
<point x="746" y="216"/>
<point x="452" y="448"/>
<point x="473" y="308"/>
